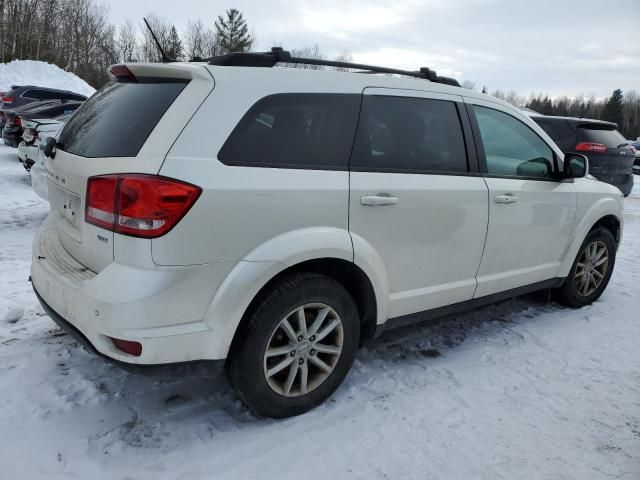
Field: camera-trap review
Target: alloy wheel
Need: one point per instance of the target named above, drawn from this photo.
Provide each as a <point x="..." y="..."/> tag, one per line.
<point x="303" y="350"/>
<point x="591" y="268"/>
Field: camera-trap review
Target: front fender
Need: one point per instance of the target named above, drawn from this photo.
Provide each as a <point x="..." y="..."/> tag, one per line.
<point x="587" y="216"/>
<point x="262" y="264"/>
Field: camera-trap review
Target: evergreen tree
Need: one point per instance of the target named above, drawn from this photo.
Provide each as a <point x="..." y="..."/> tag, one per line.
<point x="613" y="109"/>
<point x="233" y="32"/>
<point x="484" y="89"/>
<point x="174" y="44"/>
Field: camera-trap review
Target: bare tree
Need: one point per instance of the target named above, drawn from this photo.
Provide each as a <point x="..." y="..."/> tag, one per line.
<point x="195" y="39"/>
<point x="469" y="85"/>
<point x="345" y="56"/>
<point x="127" y="43"/>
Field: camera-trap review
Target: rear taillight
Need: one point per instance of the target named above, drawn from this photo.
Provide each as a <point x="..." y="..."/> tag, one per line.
<point x="7" y="99"/>
<point x="590" y="147"/>
<point x="138" y="205"/>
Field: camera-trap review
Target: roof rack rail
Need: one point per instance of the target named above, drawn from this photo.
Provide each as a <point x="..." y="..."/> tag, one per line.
<point x="278" y="55"/>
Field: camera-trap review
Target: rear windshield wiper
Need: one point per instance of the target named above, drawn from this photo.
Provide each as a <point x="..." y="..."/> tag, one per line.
<point x="623" y="145"/>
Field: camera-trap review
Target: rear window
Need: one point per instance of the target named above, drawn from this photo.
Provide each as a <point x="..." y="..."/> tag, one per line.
<point x="298" y="130"/>
<point x="118" y="118"/>
<point x="600" y="134"/>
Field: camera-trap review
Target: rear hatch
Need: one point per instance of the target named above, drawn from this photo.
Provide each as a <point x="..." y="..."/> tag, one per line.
<point x="128" y="126"/>
<point x="611" y="156"/>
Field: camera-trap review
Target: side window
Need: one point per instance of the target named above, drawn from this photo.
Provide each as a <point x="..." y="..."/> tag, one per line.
<point x="512" y="148"/>
<point x="309" y="130"/>
<point x="406" y="134"/>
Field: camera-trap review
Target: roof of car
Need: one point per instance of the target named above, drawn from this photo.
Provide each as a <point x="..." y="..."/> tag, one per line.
<point x="16" y="87"/>
<point x="574" y="120"/>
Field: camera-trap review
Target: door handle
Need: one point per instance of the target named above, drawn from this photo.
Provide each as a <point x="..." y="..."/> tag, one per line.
<point x="506" y="198"/>
<point x="380" y="199"/>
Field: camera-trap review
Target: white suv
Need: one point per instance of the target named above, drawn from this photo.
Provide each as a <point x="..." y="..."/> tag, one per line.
<point x="278" y="217"/>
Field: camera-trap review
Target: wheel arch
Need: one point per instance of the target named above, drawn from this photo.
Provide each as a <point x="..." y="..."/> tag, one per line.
<point x="348" y="274"/>
<point x="327" y="251"/>
<point x="604" y="213"/>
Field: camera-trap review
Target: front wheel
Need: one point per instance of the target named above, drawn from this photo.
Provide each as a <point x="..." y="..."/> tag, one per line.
<point x="591" y="270"/>
<point x="296" y="347"/>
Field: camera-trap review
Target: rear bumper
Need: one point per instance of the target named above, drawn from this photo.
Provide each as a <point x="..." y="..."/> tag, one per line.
<point x="152" y="307"/>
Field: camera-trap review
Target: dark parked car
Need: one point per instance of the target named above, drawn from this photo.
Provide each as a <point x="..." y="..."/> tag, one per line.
<point x="12" y="131"/>
<point x="636" y="166"/>
<point x="611" y="156"/>
<point x="22" y="95"/>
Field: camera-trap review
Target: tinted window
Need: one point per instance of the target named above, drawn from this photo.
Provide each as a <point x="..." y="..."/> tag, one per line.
<point x="295" y="131"/>
<point x="118" y="118"/>
<point x="597" y="134"/>
<point x="49" y="111"/>
<point x="409" y="134"/>
<point x="32" y="93"/>
<point x="559" y="131"/>
<point x="512" y="148"/>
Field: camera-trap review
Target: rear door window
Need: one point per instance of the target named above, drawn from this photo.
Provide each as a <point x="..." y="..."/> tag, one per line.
<point x="410" y="135"/>
<point x="297" y="130"/>
<point x="118" y="118"/>
<point x="600" y="134"/>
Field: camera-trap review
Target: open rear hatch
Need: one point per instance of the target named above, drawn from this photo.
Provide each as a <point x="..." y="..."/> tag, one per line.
<point x="127" y="126"/>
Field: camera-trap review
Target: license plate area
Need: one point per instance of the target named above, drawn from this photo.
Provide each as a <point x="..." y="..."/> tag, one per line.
<point x="67" y="205"/>
<point x="71" y="208"/>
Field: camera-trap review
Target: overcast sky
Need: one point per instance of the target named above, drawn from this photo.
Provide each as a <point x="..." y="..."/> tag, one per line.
<point x="562" y="47"/>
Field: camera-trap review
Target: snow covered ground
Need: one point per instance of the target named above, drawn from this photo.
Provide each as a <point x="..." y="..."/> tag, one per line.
<point x="41" y="74"/>
<point x="521" y="390"/>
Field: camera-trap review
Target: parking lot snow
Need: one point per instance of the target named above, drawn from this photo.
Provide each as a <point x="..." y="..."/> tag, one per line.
<point x="523" y="389"/>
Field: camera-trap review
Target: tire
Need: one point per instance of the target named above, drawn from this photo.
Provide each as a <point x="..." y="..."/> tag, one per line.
<point x="571" y="293"/>
<point x="318" y="297"/>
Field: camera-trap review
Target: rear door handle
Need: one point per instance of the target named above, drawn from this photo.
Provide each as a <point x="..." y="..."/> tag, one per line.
<point x="506" y="198"/>
<point x="376" y="200"/>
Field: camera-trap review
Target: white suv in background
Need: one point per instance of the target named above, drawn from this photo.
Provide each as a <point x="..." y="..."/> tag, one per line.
<point x="278" y="217"/>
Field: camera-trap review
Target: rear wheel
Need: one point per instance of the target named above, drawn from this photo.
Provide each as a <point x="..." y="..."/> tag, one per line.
<point x="296" y="347"/>
<point x="591" y="270"/>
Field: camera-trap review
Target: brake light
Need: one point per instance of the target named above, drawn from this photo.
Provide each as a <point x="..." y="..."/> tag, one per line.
<point x="138" y="205"/>
<point x="123" y="74"/>
<point x="8" y="99"/>
<point x="590" y="147"/>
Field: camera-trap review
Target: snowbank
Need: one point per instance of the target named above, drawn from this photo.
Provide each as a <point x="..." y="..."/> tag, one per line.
<point x="41" y="74"/>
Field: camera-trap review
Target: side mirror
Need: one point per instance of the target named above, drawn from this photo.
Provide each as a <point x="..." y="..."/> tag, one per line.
<point x="50" y="148"/>
<point x="575" y="165"/>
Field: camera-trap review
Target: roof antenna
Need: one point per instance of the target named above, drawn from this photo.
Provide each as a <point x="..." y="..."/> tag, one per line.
<point x="165" y="58"/>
